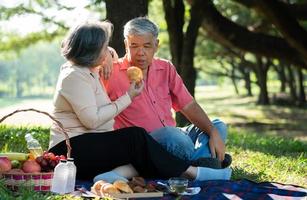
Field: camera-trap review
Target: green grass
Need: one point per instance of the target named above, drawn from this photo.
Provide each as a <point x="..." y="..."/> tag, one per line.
<point x="267" y="143"/>
<point x="268" y="158"/>
<point x="29" y="194"/>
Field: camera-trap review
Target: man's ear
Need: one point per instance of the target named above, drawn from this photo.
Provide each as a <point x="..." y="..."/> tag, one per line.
<point x="157" y="45"/>
<point x="126" y="44"/>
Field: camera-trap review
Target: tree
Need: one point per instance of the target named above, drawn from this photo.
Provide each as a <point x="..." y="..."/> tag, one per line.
<point x="119" y="12"/>
<point x="182" y="44"/>
<point x="290" y="48"/>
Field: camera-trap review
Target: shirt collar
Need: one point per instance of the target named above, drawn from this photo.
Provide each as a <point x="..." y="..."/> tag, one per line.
<point x="125" y="64"/>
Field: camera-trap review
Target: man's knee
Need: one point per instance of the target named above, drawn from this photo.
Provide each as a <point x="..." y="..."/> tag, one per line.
<point x="174" y="141"/>
<point x="221" y="127"/>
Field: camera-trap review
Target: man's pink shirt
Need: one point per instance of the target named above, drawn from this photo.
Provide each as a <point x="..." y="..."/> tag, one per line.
<point x="163" y="90"/>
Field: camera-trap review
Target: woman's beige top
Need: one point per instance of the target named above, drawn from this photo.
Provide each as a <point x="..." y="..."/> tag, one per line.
<point x="82" y="105"/>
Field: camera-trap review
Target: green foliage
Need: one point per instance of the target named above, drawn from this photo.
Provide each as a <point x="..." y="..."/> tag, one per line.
<point x="14" y="42"/>
<point x="34" y="72"/>
<point x="155" y="13"/>
<point x="12" y="138"/>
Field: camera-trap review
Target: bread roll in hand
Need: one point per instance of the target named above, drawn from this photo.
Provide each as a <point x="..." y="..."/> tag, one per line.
<point x="135" y="74"/>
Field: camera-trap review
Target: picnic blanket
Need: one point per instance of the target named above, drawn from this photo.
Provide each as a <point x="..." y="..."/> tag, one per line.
<point x="240" y="189"/>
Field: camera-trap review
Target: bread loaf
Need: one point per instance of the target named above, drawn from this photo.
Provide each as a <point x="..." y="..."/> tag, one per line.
<point x="97" y="186"/>
<point x="138" y="189"/>
<point x="122" y="186"/>
<point x="137" y="180"/>
<point x="135" y="74"/>
<point x="109" y="188"/>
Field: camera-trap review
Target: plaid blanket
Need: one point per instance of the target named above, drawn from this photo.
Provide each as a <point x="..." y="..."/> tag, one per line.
<point x="245" y="189"/>
<point x="236" y="190"/>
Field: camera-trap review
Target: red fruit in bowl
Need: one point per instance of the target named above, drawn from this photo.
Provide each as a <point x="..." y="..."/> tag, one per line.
<point x="31" y="166"/>
<point x="39" y="159"/>
<point x="51" y="156"/>
<point x="5" y="164"/>
<point x="44" y="163"/>
<point x="53" y="163"/>
<point x="46" y="155"/>
<point x="57" y="158"/>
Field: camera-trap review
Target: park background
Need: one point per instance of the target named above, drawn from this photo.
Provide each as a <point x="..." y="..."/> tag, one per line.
<point x="244" y="61"/>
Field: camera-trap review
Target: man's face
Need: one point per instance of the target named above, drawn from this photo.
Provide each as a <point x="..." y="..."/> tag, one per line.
<point x="140" y="49"/>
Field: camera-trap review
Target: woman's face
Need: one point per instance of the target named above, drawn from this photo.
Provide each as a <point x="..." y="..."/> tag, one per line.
<point x="104" y="57"/>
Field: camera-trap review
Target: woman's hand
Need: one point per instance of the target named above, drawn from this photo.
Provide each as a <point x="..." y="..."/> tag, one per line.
<point x="113" y="54"/>
<point x="135" y="89"/>
<point x="107" y="65"/>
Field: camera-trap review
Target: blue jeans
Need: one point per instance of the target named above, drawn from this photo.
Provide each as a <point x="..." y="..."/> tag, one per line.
<point x="188" y="143"/>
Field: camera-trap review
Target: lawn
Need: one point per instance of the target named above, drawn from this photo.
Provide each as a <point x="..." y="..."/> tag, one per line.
<point x="268" y="143"/>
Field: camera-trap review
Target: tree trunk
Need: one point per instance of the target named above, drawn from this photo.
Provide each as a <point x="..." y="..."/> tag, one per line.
<point x="245" y="71"/>
<point x="233" y="79"/>
<point x="292" y="85"/>
<point x="282" y="76"/>
<point x="174" y="17"/>
<point x="119" y="13"/>
<point x="248" y="85"/>
<point x="302" y="95"/>
<point x="174" y="14"/>
<point x="261" y="73"/>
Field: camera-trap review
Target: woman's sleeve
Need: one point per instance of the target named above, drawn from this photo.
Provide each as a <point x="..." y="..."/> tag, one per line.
<point x="81" y="95"/>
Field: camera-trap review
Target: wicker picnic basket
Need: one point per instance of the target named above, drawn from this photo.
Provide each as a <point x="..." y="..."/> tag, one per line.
<point x="37" y="181"/>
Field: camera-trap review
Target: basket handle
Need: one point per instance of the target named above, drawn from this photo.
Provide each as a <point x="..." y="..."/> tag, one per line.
<point x="53" y="119"/>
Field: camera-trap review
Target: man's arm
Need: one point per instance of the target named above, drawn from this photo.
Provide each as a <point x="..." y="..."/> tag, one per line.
<point x="199" y="118"/>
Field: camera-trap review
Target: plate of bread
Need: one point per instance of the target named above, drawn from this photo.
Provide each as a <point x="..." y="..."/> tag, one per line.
<point x="136" y="188"/>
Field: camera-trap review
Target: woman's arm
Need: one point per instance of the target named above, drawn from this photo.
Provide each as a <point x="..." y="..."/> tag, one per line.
<point x="78" y="91"/>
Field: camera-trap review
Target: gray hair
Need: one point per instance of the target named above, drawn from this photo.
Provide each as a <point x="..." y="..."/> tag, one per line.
<point x="140" y="26"/>
<point x="84" y="43"/>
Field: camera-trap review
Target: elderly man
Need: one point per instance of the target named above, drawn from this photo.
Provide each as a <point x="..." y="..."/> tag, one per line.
<point x="164" y="90"/>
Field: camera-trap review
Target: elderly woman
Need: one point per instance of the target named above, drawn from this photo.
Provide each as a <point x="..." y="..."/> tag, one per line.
<point x="86" y="112"/>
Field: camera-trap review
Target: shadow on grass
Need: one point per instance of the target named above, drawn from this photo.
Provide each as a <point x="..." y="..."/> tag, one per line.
<point x="274" y="145"/>
<point x="239" y="173"/>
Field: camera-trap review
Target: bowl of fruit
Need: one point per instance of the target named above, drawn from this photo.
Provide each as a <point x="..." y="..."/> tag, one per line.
<point x="22" y="170"/>
<point x="25" y="169"/>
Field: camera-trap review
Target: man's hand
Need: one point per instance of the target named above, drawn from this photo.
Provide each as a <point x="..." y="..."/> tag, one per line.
<point x="216" y="145"/>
